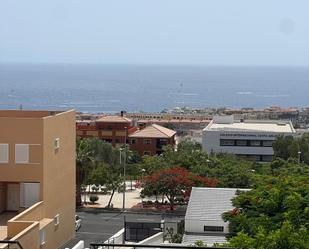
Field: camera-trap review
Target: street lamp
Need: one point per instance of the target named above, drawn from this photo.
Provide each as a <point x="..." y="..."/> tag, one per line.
<point x="124" y="170"/>
<point x="299" y="154"/>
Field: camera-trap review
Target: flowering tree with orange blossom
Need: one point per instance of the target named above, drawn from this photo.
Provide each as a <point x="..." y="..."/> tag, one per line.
<point x="173" y="183"/>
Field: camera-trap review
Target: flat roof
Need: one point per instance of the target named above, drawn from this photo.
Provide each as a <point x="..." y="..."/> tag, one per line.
<point x="114" y="119"/>
<point x="164" y="121"/>
<point x="28" y="113"/>
<point x="253" y="126"/>
<point x="209" y="204"/>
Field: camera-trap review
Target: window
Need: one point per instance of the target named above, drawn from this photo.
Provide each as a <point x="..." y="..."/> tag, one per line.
<point x="268" y="143"/>
<point x="241" y="142"/>
<point x="267" y="158"/>
<point x="254" y="158"/>
<point x="147" y="141"/>
<point x="109" y="127"/>
<point x="42" y="237"/>
<point x="133" y="141"/>
<point x="117" y="140"/>
<point x="242" y="157"/>
<point x="163" y="141"/>
<point x="29" y="193"/>
<point x="213" y="229"/>
<point x="21" y="153"/>
<point x="147" y="153"/>
<point x="57" y="143"/>
<point x="4" y="153"/>
<point x="255" y="143"/>
<point x="57" y="220"/>
<point x="226" y="142"/>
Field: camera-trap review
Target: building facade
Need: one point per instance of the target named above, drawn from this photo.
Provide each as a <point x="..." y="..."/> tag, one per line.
<point x="112" y="129"/>
<point x="37" y="178"/>
<point x="248" y="139"/>
<point x="151" y="140"/>
<point x="145" y="139"/>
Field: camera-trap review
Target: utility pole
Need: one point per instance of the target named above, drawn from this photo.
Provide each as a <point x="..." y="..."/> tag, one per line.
<point x="299" y="154"/>
<point x="124" y="170"/>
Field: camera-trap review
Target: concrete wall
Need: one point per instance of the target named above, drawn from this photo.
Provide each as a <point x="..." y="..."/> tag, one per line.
<point x="211" y="142"/>
<point x="33" y="213"/>
<point x="117" y="238"/>
<point x="28" y="237"/>
<point x="155" y="239"/>
<point x="197" y="226"/>
<point x="22" y="131"/>
<point x="59" y="176"/>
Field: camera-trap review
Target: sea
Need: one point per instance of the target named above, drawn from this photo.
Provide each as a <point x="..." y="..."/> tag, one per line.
<point x="101" y="88"/>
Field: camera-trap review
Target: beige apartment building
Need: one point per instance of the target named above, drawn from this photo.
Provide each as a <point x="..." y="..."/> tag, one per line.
<point x="37" y="178"/>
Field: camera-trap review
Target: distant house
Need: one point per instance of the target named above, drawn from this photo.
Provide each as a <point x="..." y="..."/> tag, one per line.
<point x="151" y="139"/>
<point x="118" y="130"/>
<point x="112" y="129"/>
<point x="203" y="219"/>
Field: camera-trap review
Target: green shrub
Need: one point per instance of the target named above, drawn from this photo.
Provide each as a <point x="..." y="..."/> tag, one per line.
<point x="93" y="198"/>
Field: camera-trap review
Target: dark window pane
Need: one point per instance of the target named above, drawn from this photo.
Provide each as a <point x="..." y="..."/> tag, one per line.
<point x="213" y="229"/>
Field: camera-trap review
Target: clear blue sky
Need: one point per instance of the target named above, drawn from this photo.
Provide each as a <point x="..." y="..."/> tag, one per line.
<point x="246" y="32"/>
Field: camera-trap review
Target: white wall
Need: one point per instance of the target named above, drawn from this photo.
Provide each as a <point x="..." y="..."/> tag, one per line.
<point x="211" y="142"/>
<point x="117" y="238"/>
<point x="197" y="226"/>
<point x="155" y="239"/>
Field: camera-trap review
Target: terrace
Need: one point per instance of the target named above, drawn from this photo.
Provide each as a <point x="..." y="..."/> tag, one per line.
<point x="4" y="217"/>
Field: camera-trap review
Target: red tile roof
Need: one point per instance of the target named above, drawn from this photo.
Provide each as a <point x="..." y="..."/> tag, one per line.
<point x="154" y="131"/>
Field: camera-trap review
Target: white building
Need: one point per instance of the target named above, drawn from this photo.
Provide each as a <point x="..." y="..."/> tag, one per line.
<point x="249" y="139"/>
<point x="203" y="220"/>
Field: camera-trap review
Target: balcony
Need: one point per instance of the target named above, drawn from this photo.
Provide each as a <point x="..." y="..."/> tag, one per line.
<point x="23" y="227"/>
<point x="4" y="218"/>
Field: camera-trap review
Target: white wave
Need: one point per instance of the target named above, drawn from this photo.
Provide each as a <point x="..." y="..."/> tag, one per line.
<point x="244" y="93"/>
<point x="275" y="95"/>
<point x="113" y="100"/>
<point x="184" y="94"/>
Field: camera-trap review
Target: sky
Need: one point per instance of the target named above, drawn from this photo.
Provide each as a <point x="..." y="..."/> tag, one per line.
<point x="211" y="32"/>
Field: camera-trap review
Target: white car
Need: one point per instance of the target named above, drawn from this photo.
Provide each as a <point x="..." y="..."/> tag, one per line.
<point x="78" y="222"/>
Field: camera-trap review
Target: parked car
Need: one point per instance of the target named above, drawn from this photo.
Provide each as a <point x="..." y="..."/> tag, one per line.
<point x="78" y="222"/>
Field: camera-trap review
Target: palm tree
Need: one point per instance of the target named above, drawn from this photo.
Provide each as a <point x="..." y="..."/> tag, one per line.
<point x="84" y="160"/>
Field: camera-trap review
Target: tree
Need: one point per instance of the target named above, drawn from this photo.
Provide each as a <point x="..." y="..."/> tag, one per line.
<point x="281" y="147"/>
<point x="84" y="162"/>
<point x="273" y="215"/>
<point x="97" y="163"/>
<point x="227" y="169"/>
<point x="173" y="183"/>
<point x="290" y="147"/>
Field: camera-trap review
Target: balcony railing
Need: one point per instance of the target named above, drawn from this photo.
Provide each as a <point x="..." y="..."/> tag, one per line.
<point x="11" y="244"/>
<point x="136" y="246"/>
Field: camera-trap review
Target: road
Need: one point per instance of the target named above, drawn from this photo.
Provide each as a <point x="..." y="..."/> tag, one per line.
<point x="99" y="226"/>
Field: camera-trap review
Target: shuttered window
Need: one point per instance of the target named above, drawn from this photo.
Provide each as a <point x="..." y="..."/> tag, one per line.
<point x="21" y="153"/>
<point x="4" y="153"/>
<point x="29" y="193"/>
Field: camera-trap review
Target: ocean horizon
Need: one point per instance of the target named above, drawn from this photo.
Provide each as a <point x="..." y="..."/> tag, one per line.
<point x="150" y="88"/>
